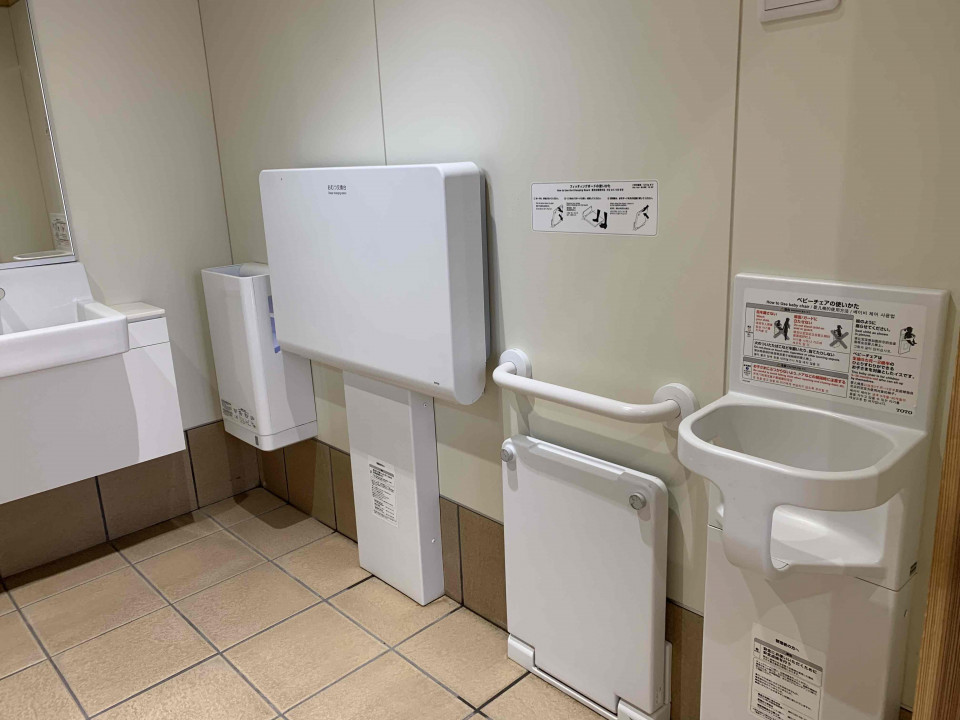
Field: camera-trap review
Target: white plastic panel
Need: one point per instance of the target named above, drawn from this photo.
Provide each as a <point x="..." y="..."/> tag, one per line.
<point x="396" y="487"/>
<point x="586" y="572"/>
<point x="381" y="271"/>
<point x="853" y="630"/>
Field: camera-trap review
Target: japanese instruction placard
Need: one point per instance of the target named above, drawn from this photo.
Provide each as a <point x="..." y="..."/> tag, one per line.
<point x="864" y="352"/>
<point x="383" y="488"/>
<point x="787" y="677"/>
<point x="607" y="207"/>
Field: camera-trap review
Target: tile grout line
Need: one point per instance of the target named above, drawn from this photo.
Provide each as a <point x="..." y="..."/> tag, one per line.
<point x="47" y="656"/>
<point x="321" y="600"/>
<point x="512" y="685"/>
<point x="391" y="648"/>
<point x="101" y="634"/>
<point x="431" y="677"/>
<point x="326" y="687"/>
<point x="217" y="652"/>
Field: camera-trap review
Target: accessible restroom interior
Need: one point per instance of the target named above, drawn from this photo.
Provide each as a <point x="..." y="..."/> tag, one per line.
<point x="197" y="575"/>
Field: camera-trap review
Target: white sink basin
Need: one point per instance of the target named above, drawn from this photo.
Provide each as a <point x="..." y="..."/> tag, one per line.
<point x="763" y="454"/>
<point x="98" y="331"/>
<point x="48" y="318"/>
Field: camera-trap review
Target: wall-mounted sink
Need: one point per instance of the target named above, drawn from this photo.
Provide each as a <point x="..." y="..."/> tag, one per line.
<point x="95" y="331"/>
<point x="764" y="454"/>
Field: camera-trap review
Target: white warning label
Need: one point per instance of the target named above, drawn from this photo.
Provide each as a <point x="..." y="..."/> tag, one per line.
<point x="238" y="414"/>
<point x="787" y="677"/>
<point x="864" y="352"/>
<point x="615" y="207"/>
<point x="383" y="486"/>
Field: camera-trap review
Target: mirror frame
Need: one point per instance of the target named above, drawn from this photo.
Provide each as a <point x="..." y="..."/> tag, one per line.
<point x="56" y="161"/>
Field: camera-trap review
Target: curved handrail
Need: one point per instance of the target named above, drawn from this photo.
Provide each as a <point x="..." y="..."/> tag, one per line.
<point x="671" y="403"/>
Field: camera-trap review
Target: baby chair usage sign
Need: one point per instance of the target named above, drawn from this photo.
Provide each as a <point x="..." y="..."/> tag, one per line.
<point x="863" y="352"/>
<point x="606" y="207"/>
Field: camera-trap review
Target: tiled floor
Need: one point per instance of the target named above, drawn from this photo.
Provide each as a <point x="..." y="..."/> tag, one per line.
<point x="248" y="610"/>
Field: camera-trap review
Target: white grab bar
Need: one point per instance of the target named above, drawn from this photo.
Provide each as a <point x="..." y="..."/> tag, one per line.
<point x="672" y="402"/>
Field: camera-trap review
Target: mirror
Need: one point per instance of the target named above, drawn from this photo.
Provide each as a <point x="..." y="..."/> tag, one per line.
<point x="33" y="219"/>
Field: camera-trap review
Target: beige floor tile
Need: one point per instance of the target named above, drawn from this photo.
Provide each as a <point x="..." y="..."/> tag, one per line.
<point x="33" y="585"/>
<point x="280" y="531"/>
<point x="465" y="653"/>
<point x="196" y="566"/>
<point x="211" y="691"/>
<point x="19" y="649"/>
<point x="295" y="659"/>
<point x="246" y="604"/>
<point x="328" y="565"/>
<point x="36" y="693"/>
<point x="243" y="507"/>
<point x="91" y="609"/>
<point x="6" y="604"/>
<point x="165" y="536"/>
<point x="388" y="613"/>
<point x="533" y="699"/>
<point x="110" y="668"/>
<point x="389" y="687"/>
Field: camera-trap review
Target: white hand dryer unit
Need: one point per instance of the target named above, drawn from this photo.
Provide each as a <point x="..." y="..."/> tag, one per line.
<point x="266" y="396"/>
<point x="381" y="271"/>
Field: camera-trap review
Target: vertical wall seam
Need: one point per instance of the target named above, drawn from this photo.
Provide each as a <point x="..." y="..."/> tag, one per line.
<point x="216" y="134"/>
<point x="376" y="43"/>
<point x="733" y="195"/>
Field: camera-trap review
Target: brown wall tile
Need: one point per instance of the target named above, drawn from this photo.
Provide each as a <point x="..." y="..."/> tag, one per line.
<point x="49" y="525"/>
<point x="273" y="472"/>
<point x="222" y="465"/>
<point x="343" y="493"/>
<point x="685" y="631"/>
<point x="141" y="495"/>
<point x="450" y="541"/>
<point x="484" y="576"/>
<point x="309" y="480"/>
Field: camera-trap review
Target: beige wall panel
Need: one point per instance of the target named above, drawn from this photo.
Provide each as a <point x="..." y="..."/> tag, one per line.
<point x="848" y="165"/>
<point x="552" y="91"/>
<point x="294" y="84"/>
<point x="129" y="100"/>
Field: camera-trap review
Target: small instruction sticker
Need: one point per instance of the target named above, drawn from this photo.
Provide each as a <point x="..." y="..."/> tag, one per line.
<point x="864" y="352"/>
<point x="238" y="414"/>
<point x="606" y="207"/>
<point x="787" y="677"/>
<point x="383" y="486"/>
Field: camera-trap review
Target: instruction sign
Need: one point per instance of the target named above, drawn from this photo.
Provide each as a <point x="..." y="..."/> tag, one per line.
<point x="607" y="207"/>
<point x="864" y="352"/>
<point x="787" y="677"/>
<point x="383" y="487"/>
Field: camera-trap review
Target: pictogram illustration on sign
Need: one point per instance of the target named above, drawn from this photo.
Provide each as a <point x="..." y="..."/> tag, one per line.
<point x="864" y="352"/>
<point x="608" y="207"/>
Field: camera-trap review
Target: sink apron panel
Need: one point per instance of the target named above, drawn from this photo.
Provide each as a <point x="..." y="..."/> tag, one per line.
<point x="69" y="423"/>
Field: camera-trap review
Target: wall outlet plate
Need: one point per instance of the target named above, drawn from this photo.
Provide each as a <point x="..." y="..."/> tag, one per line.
<point x="780" y="9"/>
